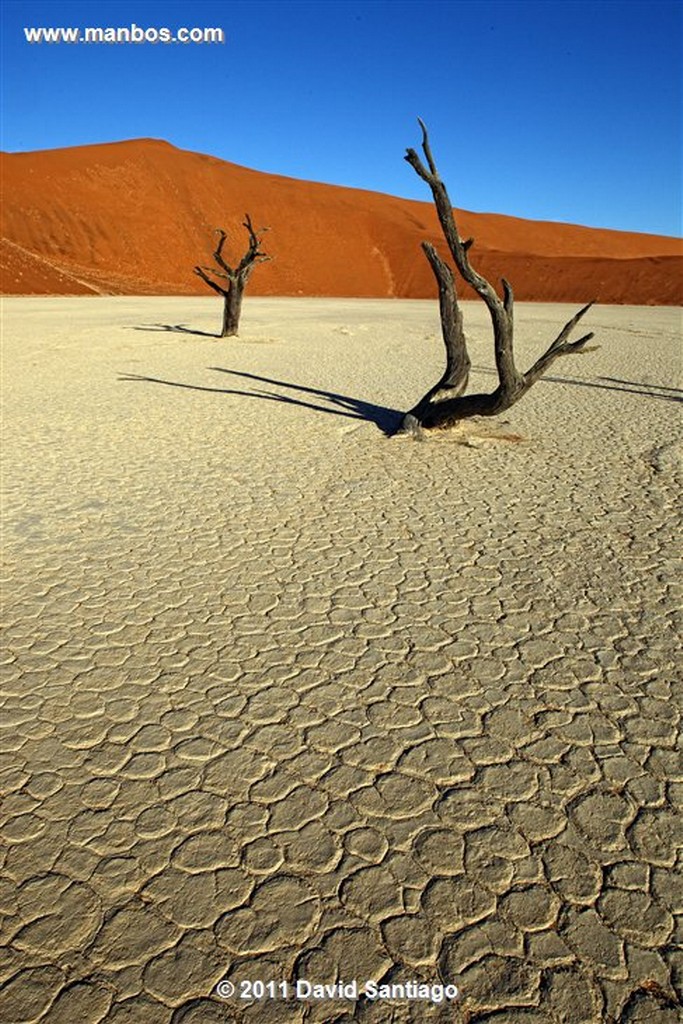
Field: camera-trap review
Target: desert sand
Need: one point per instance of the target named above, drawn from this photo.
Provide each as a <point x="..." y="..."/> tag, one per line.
<point x="135" y="217"/>
<point x="288" y="698"/>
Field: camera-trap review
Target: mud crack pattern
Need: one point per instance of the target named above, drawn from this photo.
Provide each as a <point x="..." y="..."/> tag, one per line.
<point x="282" y="700"/>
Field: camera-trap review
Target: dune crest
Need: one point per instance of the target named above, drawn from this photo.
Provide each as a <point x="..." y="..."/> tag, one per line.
<point x="135" y="217"/>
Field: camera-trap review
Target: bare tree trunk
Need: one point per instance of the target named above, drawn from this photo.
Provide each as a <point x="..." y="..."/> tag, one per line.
<point x="235" y="277"/>
<point x="454" y="381"/>
<point x="445" y="404"/>
<point x="232" y="309"/>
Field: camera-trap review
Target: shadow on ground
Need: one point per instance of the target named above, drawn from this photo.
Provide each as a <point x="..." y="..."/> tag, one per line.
<point x="630" y="387"/>
<point x="385" y="418"/>
<point x="175" y="329"/>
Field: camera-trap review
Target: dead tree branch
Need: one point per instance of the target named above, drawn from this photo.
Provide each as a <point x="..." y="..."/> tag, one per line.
<point x="446" y="403"/>
<point x="236" y="277"/>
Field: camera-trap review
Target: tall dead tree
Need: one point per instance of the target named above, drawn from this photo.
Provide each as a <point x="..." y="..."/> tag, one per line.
<point x="446" y="403"/>
<point x="235" y="277"/>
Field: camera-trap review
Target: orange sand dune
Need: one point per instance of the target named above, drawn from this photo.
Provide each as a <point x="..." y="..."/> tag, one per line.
<point x="135" y="217"/>
<point x="25" y="273"/>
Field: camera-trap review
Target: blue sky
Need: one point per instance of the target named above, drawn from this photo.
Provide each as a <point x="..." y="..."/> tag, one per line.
<point x="566" y="110"/>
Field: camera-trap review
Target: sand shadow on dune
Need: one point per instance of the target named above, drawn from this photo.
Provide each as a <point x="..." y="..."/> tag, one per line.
<point x="175" y="329"/>
<point x="386" y="419"/>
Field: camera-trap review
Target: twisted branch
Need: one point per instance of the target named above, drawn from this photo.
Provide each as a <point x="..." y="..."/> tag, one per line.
<point x="446" y="403"/>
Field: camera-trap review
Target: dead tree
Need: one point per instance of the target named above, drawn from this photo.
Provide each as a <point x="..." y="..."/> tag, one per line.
<point x="446" y="403"/>
<point x="235" y="277"/>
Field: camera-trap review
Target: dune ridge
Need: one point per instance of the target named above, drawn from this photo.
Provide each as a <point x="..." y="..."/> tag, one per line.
<point x="135" y="217"/>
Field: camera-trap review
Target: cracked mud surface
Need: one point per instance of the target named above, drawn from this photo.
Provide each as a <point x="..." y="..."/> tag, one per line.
<point x="284" y="698"/>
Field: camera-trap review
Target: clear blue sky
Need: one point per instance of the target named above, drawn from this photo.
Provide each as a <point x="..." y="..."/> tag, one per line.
<point x="565" y="110"/>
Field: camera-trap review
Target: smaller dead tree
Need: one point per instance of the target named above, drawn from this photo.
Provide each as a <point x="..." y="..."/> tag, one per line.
<point x="446" y="403"/>
<point x="235" y="278"/>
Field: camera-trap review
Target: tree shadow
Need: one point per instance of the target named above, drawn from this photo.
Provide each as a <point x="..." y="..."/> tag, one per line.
<point x="175" y="328"/>
<point x="385" y="418"/>
<point x="672" y="392"/>
<point x="657" y="391"/>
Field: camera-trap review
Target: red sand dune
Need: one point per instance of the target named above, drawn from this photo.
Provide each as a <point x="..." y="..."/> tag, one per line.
<point x="135" y="217"/>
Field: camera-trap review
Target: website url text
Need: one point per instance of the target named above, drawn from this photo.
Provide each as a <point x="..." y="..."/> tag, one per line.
<point x="130" y="34"/>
